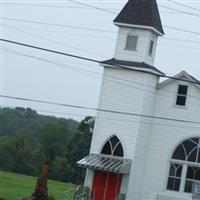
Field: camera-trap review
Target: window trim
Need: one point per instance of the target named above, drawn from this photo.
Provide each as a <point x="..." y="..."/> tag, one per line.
<point x="131" y="35"/>
<point x="113" y="148"/>
<point x="182" y="95"/>
<point x="182" y="178"/>
<point x="151" y="47"/>
<point x="185" y="165"/>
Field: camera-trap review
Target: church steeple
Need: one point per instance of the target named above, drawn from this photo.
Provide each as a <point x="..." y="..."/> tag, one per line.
<point x="143" y="13"/>
<point x="139" y="28"/>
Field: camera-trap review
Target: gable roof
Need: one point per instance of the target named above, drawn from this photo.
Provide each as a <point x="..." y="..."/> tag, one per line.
<point x="182" y="75"/>
<point x="141" y="13"/>
<point x="140" y="66"/>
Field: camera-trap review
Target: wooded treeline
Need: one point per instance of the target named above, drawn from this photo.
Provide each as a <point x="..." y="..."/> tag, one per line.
<point x="26" y="137"/>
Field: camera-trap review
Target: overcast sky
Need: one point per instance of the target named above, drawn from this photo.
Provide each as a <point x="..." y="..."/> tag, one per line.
<point x="68" y="82"/>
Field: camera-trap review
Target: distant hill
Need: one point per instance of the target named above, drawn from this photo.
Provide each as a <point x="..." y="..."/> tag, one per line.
<point x="28" y="120"/>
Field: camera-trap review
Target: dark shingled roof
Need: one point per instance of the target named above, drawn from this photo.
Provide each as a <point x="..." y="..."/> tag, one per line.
<point x="130" y="64"/>
<point x="141" y="12"/>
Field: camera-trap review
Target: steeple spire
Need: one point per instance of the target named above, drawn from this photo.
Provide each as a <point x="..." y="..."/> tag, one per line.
<point x="142" y="13"/>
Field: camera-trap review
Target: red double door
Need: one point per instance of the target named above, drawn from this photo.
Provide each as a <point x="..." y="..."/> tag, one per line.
<point x="106" y="186"/>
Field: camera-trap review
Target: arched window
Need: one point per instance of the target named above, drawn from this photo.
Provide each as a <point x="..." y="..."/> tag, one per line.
<point x="113" y="147"/>
<point x="185" y="166"/>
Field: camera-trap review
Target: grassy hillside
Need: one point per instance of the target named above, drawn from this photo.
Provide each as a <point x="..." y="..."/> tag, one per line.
<point x="15" y="186"/>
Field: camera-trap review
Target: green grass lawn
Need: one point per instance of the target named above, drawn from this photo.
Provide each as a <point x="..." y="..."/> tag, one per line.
<point x="15" y="186"/>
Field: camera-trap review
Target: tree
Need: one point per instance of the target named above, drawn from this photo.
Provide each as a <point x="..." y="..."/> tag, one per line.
<point x="18" y="152"/>
<point x="54" y="139"/>
<point x="61" y="169"/>
<point x="79" y="148"/>
<point x="27" y="138"/>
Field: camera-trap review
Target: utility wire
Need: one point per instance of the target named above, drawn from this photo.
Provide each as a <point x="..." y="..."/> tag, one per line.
<point x="91" y="6"/>
<point x="98" y="109"/>
<point x="96" y="36"/>
<point x="166" y="26"/>
<point x="90" y="29"/>
<point x="183" y="5"/>
<point x="49" y="50"/>
<point x="113" y="79"/>
<point x="121" y="120"/>
<point x="46" y="111"/>
<point x="86" y="51"/>
<point x="182" y="30"/>
<point x="82" y="50"/>
<point x="52" y="41"/>
<point x="108" y="11"/>
<point x="112" y="119"/>
<point x="180" y="11"/>
<point x="57" y="25"/>
<point x="41" y="5"/>
<point x="60" y="6"/>
<point x="90" y="59"/>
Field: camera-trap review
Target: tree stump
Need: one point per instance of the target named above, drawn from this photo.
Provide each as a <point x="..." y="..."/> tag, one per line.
<point x="41" y="189"/>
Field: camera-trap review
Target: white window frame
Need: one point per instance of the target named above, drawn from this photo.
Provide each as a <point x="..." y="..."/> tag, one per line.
<point x="152" y="42"/>
<point x="182" y="95"/>
<point x="183" y="174"/>
<point x="137" y="39"/>
<point x="185" y="165"/>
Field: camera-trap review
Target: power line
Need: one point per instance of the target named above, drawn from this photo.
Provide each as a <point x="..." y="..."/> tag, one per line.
<point x="57" y="25"/>
<point x="113" y="79"/>
<point x="177" y="46"/>
<point x="108" y="11"/>
<point x="64" y="66"/>
<point x="183" y="5"/>
<point x="49" y="50"/>
<point x="47" y="111"/>
<point x="82" y="50"/>
<point x="81" y="7"/>
<point x="182" y="30"/>
<point x="86" y="51"/>
<point x="90" y="29"/>
<point x="89" y="59"/>
<point x="180" y="11"/>
<point x="111" y="119"/>
<point x="53" y="6"/>
<point x="96" y="36"/>
<point x="98" y="109"/>
<point x="166" y="26"/>
<point x="91" y="6"/>
<point x="181" y="40"/>
<point x="50" y="40"/>
<point x="41" y="5"/>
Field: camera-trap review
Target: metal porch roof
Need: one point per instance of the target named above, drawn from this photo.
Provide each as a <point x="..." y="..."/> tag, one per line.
<point x="106" y="163"/>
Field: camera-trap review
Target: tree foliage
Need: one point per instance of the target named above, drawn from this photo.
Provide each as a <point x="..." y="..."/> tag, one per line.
<point x="26" y="138"/>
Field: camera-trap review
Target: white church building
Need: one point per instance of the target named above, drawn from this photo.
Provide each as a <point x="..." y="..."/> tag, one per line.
<point x="146" y="140"/>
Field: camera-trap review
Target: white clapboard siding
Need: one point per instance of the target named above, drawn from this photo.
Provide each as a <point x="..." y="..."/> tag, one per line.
<point x="133" y="97"/>
<point x="141" y="54"/>
<point x="148" y="142"/>
<point x="165" y="136"/>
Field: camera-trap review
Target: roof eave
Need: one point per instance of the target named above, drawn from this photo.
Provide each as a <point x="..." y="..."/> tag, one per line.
<point x="178" y="76"/>
<point x="134" y="69"/>
<point x="139" y="27"/>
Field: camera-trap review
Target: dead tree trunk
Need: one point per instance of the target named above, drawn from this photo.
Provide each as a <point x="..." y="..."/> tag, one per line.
<point x="41" y="188"/>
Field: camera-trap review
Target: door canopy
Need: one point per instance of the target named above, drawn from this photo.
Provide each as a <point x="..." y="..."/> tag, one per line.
<point x="110" y="160"/>
<point x="106" y="163"/>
